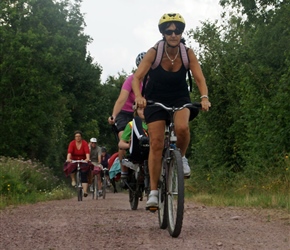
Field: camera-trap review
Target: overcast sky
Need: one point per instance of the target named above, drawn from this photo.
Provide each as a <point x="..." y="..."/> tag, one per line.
<point x="121" y="29"/>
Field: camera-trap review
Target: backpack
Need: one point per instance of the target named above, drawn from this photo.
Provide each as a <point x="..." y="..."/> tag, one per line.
<point x="159" y="53"/>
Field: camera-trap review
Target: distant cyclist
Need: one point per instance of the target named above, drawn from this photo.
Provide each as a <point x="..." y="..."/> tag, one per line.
<point x="122" y="111"/>
<point x="78" y="149"/>
<point x="167" y="84"/>
<point x="95" y="155"/>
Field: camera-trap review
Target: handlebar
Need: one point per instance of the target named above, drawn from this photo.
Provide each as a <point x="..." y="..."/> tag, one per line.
<point x="78" y="161"/>
<point x="187" y="105"/>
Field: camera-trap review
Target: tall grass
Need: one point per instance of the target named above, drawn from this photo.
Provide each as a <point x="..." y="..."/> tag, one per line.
<point x="265" y="188"/>
<point x="28" y="182"/>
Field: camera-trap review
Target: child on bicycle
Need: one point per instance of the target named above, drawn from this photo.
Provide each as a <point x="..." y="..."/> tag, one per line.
<point x="135" y="139"/>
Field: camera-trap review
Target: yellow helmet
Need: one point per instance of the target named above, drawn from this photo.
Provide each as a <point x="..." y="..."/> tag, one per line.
<point x="170" y="17"/>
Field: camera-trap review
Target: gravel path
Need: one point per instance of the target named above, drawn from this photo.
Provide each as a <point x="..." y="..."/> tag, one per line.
<point x="111" y="224"/>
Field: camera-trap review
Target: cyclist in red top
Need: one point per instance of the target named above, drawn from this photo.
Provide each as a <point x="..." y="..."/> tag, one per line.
<point x="78" y="149"/>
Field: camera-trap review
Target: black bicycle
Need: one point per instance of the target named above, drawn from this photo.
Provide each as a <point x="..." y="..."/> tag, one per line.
<point x="105" y="173"/>
<point x="138" y="175"/>
<point x="171" y="184"/>
<point x="94" y="186"/>
<point x="137" y="182"/>
<point x="79" y="186"/>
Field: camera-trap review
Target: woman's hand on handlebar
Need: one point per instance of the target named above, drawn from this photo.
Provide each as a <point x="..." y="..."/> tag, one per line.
<point x="140" y="101"/>
<point x="205" y="103"/>
<point x="111" y="120"/>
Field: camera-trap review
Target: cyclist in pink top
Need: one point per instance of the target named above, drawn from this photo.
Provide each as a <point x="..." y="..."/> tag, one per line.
<point x="123" y="109"/>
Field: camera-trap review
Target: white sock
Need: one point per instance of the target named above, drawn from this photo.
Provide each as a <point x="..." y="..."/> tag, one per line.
<point x="154" y="192"/>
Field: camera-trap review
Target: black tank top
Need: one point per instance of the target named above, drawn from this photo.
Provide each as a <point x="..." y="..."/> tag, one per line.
<point x="165" y="86"/>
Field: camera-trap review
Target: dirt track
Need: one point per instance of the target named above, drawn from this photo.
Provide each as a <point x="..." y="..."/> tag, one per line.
<point x="111" y="224"/>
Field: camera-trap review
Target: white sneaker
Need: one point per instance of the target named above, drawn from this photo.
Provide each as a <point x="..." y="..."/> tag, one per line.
<point x="186" y="168"/>
<point x="130" y="164"/>
<point x="153" y="199"/>
<point x="91" y="188"/>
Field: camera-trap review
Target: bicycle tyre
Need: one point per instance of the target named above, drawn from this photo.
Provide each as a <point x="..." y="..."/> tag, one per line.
<point x="162" y="209"/>
<point x="134" y="193"/>
<point x="175" y="194"/>
<point x="146" y="179"/>
<point x="104" y="187"/>
<point x="94" y="187"/>
<point x="79" y="186"/>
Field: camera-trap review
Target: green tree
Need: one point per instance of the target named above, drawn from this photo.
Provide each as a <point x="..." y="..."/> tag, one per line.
<point x="246" y="63"/>
<point x="48" y="84"/>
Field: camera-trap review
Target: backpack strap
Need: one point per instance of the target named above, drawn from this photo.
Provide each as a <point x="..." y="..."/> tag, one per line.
<point x="184" y="55"/>
<point x="185" y="60"/>
<point x="157" y="61"/>
<point x="144" y="84"/>
<point x="159" y="53"/>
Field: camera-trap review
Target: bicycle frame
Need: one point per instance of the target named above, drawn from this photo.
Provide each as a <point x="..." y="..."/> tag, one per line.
<point x="171" y="185"/>
<point x="78" y="177"/>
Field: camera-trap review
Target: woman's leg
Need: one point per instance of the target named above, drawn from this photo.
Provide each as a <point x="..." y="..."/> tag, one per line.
<point x="183" y="137"/>
<point x="84" y="177"/>
<point x="73" y="179"/>
<point x="182" y="129"/>
<point x="156" y="135"/>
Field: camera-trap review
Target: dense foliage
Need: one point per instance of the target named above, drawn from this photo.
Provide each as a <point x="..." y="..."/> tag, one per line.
<point x="50" y="87"/>
<point x="246" y="61"/>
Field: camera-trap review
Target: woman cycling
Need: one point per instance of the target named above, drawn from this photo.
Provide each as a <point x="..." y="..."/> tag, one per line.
<point x="78" y="149"/>
<point x="167" y="84"/>
<point x="122" y="111"/>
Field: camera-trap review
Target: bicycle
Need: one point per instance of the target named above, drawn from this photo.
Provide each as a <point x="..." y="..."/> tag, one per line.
<point x="137" y="183"/>
<point x="78" y="178"/>
<point x="171" y="184"/>
<point x="104" y="181"/>
<point x="138" y="176"/>
<point x="95" y="191"/>
<point x="94" y="186"/>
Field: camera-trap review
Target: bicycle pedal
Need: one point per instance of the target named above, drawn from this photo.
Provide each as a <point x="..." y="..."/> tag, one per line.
<point x="152" y="209"/>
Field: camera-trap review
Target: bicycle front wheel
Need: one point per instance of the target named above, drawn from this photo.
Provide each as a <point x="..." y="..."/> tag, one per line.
<point x="162" y="210"/>
<point x="175" y="194"/>
<point x="79" y="186"/>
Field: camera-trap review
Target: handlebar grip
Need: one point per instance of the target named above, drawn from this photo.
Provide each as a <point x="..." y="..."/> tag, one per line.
<point x="197" y="105"/>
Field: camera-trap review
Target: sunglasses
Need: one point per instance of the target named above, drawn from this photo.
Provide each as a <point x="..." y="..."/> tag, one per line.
<point x="170" y="32"/>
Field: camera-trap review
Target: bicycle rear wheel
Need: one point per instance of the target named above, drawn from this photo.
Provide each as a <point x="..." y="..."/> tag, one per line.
<point x="79" y="186"/>
<point x="104" y="186"/>
<point x="175" y="195"/>
<point x="162" y="210"/>
<point x="95" y="187"/>
<point x="133" y="191"/>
